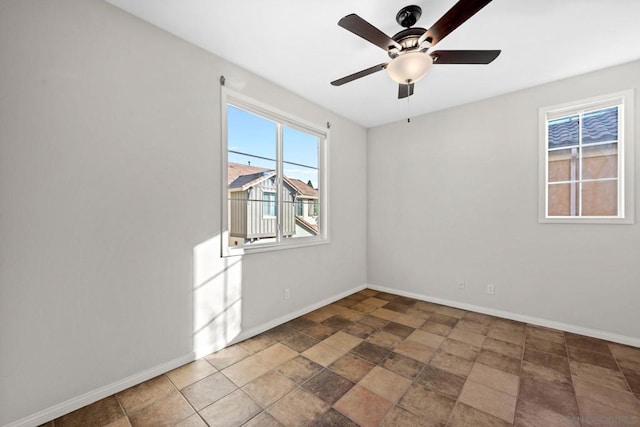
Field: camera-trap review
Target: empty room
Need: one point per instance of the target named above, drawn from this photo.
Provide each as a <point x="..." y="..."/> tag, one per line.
<point x="280" y="213"/>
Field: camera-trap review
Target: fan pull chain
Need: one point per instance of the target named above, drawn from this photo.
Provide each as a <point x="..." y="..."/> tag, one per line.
<point x="408" y="109"/>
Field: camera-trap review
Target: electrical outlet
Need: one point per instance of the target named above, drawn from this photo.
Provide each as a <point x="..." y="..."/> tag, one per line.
<point x="461" y="285"/>
<point x="491" y="289"/>
<point x="287" y="293"/>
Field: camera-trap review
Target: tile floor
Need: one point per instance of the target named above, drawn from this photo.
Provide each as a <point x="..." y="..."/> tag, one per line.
<point x="376" y="359"/>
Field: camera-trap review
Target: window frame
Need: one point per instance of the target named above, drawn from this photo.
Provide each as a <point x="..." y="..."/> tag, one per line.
<point x="625" y="148"/>
<point x="241" y="101"/>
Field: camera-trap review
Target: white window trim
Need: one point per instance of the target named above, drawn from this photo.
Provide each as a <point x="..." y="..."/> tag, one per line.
<point x="244" y="102"/>
<point x="626" y="156"/>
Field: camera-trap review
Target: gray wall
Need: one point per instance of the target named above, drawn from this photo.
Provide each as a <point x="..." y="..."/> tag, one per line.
<point x="453" y="196"/>
<point x="110" y="200"/>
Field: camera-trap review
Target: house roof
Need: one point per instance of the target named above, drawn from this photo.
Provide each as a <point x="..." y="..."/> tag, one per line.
<point x="597" y="126"/>
<point x="303" y="188"/>
<point x="241" y="177"/>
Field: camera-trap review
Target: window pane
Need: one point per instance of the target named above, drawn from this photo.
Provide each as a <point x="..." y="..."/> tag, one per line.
<point x="564" y="165"/>
<point x="564" y="132"/>
<point x="600" y="126"/>
<point x="600" y="198"/>
<point x="301" y="189"/>
<point x="251" y="144"/>
<point x="562" y="199"/>
<point x="600" y="161"/>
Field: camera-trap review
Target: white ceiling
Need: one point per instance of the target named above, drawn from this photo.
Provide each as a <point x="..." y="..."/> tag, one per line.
<point x="298" y="45"/>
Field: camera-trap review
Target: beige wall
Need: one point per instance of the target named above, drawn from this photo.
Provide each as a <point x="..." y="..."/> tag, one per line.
<point x="110" y="199"/>
<point x="466" y="179"/>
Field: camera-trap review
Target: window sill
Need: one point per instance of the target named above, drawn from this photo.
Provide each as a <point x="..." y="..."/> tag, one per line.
<point x="586" y="220"/>
<point x="247" y="250"/>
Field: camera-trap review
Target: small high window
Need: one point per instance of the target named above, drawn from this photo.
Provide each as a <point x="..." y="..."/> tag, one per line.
<point x="586" y="161"/>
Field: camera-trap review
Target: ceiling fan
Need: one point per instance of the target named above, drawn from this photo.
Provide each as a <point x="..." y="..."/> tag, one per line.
<point x="408" y="49"/>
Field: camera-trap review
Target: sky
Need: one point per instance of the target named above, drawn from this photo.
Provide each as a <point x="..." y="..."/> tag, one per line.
<point x="255" y="135"/>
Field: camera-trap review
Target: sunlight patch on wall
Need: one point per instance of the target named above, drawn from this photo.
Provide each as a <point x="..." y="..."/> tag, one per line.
<point x="217" y="298"/>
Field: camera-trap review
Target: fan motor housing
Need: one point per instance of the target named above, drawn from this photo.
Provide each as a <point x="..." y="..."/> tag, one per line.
<point x="408" y="39"/>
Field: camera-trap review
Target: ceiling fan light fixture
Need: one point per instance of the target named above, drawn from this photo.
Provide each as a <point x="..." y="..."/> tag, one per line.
<point x="409" y="67"/>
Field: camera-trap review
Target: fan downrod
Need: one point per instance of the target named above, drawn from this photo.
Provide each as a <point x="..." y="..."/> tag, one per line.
<point x="408" y="16"/>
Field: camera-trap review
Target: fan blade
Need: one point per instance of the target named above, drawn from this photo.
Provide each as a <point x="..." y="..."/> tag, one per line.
<point x="405" y="91"/>
<point x="359" y="74"/>
<point x="362" y="28"/>
<point x="451" y="20"/>
<point x="464" y="56"/>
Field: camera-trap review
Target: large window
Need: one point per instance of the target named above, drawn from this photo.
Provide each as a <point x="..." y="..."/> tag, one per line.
<point x="586" y="162"/>
<point x="275" y="178"/>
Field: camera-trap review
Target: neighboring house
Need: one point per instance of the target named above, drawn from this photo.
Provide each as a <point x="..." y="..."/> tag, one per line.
<point x="253" y="205"/>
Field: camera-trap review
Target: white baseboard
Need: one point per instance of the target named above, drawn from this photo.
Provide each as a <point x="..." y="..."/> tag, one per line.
<point x="93" y="396"/>
<point x="594" y="333"/>
<point x="275" y="322"/>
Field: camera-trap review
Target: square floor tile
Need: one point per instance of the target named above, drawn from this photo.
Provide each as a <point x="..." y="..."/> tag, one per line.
<point x="615" y="398"/>
<point x="263" y="419"/>
<point x="444" y="320"/>
<point x="227" y="356"/>
<point x="436" y="328"/>
<point x="604" y="376"/>
<point x="548" y="360"/>
<point x="441" y="381"/>
<point x="268" y="388"/>
<point x="494" y="378"/>
<point x="102" y="412"/>
<point x="398" y="329"/>
<point x="166" y="411"/>
<point x="318" y="332"/>
<point x="503" y="347"/>
<point x="370" y="352"/>
<point x="328" y="386"/>
<point x="544" y="345"/>
<point x="246" y="370"/>
<point x="549" y="396"/>
<point x="499" y="361"/>
<point x="362" y="406"/>
<point x="450" y="363"/>
<point x="402" y="365"/>
<point x="208" y="390"/>
<point x="298" y="408"/>
<point x="299" y="342"/>
<point x="401" y="417"/>
<point x="415" y="350"/>
<point x="299" y="369"/>
<point x="323" y="354"/>
<point x="468" y="337"/>
<point x="385" y="383"/>
<point x="232" y="410"/>
<point x="593" y="358"/>
<point x="144" y="394"/>
<point x="410" y="320"/>
<point x="351" y="367"/>
<point x="257" y="343"/>
<point x="473" y="327"/>
<point x="385" y="314"/>
<point x="427" y="404"/>
<point x="489" y="400"/>
<point x="544" y="374"/>
<point x="529" y="414"/>
<point x="342" y="341"/>
<point x="276" y="355"/>
<point x="190" y="373"/>
<point x="460" y="349"/>
<point x="426" y="338"/>
<point x="466" y="416"/>
<point x="334" y="418"/>
<point x="594" y="413"/>
<point x="384" y="339"/>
